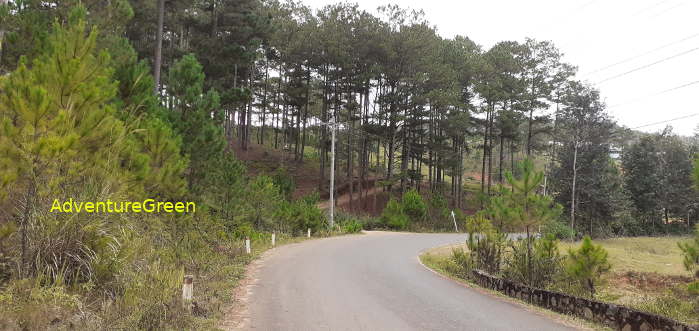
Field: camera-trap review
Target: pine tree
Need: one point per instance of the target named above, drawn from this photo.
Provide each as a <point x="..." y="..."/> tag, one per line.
<point x="413" y="206"/>
<point x="587" y="264"/>
<point x="690" y="253"/>
<point x="520" y="205"/>
<point x="154" y="140"/>
<point x="394" y="216"/>
<point x="59" y="131"/>
<point x="197" y="118"/>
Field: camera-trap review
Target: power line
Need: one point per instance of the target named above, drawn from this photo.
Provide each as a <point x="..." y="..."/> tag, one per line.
<point x="667" y="10"/>
<point x="666" y="121"/>
<point x="651" y="6"/>
<point x="655" y="94"/>
<point x="649" y="65"/>
<point x="641" y="55"/>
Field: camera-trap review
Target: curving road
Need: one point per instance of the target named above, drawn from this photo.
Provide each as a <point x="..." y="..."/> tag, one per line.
<point x="374" y="282"/>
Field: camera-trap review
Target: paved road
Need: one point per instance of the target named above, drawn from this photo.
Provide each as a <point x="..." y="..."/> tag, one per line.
<point x="374" y="282"/>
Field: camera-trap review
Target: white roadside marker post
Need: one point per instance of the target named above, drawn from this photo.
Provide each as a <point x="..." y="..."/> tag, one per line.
<point x="247" y="245"/>
<point x="456" y="228"/>
<point x="187" y="289"/>
<point x="309" y="233"/>
<point x="274" y="237"/>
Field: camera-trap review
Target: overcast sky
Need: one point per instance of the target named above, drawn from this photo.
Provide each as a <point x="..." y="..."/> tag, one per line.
<point x="594" y="34"/>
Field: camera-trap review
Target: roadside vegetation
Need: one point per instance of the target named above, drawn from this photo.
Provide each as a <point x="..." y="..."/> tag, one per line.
<point x="654" y="274"/>
<point x="80" y="121"/>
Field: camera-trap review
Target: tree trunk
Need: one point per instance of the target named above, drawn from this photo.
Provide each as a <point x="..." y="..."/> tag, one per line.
<point x="572" y="191"/>
<point x="2" y="33"/>
<point x="490" y="149"/>
<point x="264" y="103"/>
<point x="26" y="220"/>
<point x="324" y="132"/>
<point x="485" y="150"/>
<point x="248" y="121"/>
<point x="305" y="115"/>
<point x="157" y="63"/>
<point x="502" y="157"/>
<point x="529" y="133"/>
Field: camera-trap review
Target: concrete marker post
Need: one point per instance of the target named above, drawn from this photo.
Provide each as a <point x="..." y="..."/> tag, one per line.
<point x="247" y="245"/>
<point x="456" y="228"/>
<point x="274" y="239"/>
<point x="187" y="289"/>
<point x="309" y="233"/>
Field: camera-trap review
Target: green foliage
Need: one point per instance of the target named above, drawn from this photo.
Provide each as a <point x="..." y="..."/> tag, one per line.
<point x="62" y="138"/>
<point x="524" y="206"/>
<point x="486" y="244"/>
<point x="150" y="300"/>
<point x="690" y="253"/>
<point x="696" y="172"/>
<point x="413" y="206"/>
<point x="401" y="214"/>
<point x="394" y="216"/>
<point x="166" y="165"/>
<point x="195" y="118"/>
<point x="351" y="226"/>
<point x="243" y="231"/>
<point x="261" y="200"/>
<point x="6" y="264"/>
<point x="44" y="126"/>
<point x="546" y="262"/>
<point x="302" y="214"/>
<point x="26" y="304"/>
<point x="438" y="212"/>
<point x="693" y="288"/>
<point x="462" y="262"/>
<point x="658" y="172"/>
<point x="586" y="265"/>
<point x="671" y="305"/>
<point x="557" y="229"/>
<point x="284" y="182"/>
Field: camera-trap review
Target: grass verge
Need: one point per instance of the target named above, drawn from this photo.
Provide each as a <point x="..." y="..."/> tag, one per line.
<point x="647" y="274"/>
<point x="435" y="260"/>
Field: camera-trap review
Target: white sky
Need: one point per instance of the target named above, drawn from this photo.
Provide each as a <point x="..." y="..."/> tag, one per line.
<point x="593" y="34"/>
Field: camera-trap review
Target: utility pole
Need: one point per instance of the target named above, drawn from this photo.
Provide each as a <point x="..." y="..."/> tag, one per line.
<point x="332" y="171"/>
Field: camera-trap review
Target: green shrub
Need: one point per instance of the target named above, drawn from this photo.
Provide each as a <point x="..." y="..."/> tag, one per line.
<point x="545" y="262"/>
<point x="245" y="230"/>
<point x="26" y="304"/>
<point x="586" y="265"/>
<point x="150" y="299"/>
<point x="486" y="243"/>
<point x="557" y="229"/>
<point x="6" y="265"/>
<point x="351" y="226"/>
<point x="438" y="213"/>
<point x="690" y="253"/>
<point x="462" y="263"/>
<point x="413" y="206"/>
<point x="284" y="182"/>
<point x="393" y="215"/>
<point x="300" y="215"/>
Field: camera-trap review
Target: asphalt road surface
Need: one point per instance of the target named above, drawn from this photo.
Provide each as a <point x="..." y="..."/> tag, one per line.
<point x="374" y="282"/>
